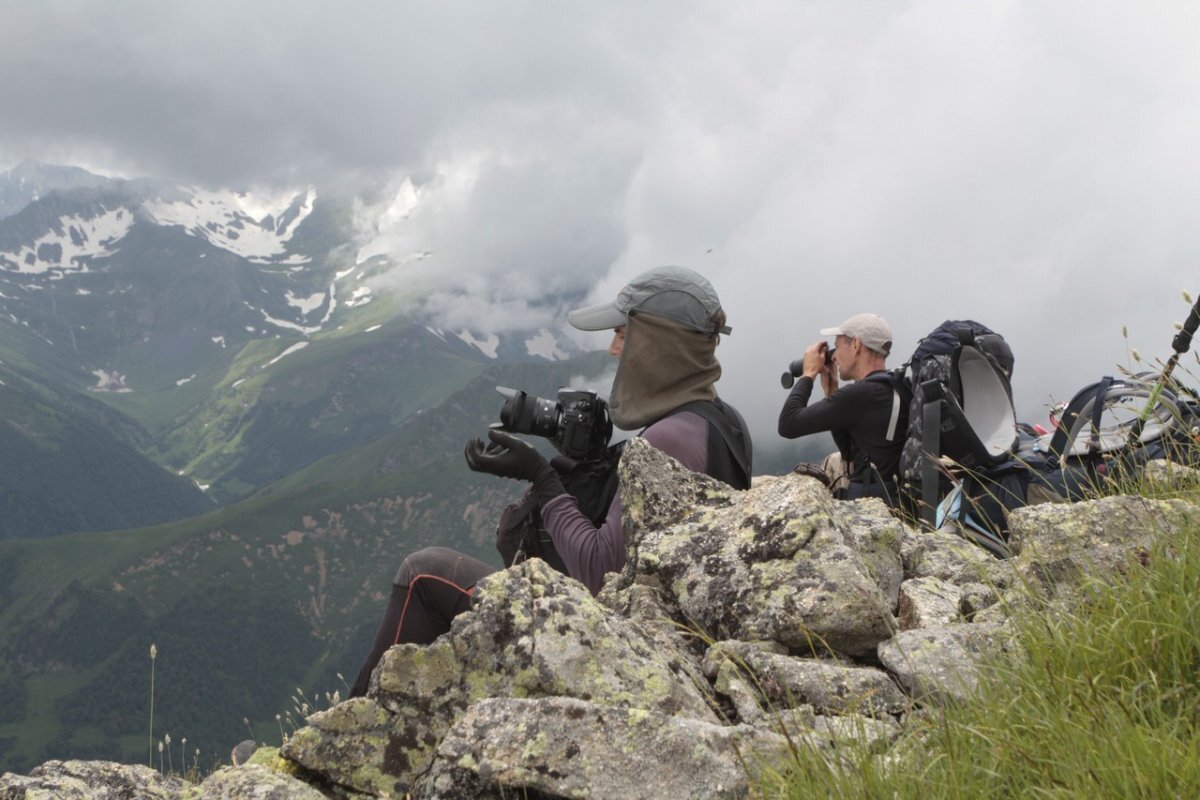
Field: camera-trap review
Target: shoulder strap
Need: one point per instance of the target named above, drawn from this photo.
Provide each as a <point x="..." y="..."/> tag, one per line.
<point x="726" y="420"/>
<point x="1069" y="423"/>
<point x="901" y="397"/>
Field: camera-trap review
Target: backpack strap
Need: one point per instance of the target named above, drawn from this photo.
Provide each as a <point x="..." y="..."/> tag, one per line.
<point x="732" y="463"/>
<point x="901" y="397"/>
<point x="1068" y="425"/>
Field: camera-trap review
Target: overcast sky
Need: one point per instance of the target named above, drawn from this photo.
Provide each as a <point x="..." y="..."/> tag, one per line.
<point x="1032" y="165"/>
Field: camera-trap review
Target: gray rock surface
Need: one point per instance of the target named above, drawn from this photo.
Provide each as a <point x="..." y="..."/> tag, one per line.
<point x="532" y="632"/>
<point x="1063" y="543"/>
<point x="783" y="561"/>
<point x="944" y="555"/>
<point x="975" y="598"/>
<point x="252" y="782"/>
<point x="928" y="601"/>
<point x="942" y="664"/>
<point x="89" y="780"/>
<point x="780" y="681"/>
<point x="563" y="747"/>
<point x="1169" y="475"/>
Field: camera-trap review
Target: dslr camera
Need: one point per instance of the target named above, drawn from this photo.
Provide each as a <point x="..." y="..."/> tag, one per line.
<point x="577" y="421"/>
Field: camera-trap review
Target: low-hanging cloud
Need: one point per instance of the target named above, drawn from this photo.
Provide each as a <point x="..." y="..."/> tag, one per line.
<point x="1029" y="165"/>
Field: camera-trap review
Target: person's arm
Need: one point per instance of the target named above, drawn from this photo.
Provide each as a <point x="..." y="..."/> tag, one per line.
<point x="839" y="410"/>
<point x="590" y="552"/>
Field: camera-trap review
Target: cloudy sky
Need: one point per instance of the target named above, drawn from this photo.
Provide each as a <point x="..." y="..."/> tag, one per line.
<point x="1033" y="165"/>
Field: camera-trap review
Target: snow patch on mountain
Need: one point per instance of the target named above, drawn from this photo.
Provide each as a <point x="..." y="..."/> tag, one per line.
<point x="332" y="303"/>
<point x="305" y="304"/>
<point x="545" y="344"/>
<point x="487" y="345"/>
<point x="257" y="227"/>
<point x="110" y="382"/>
<point x="71" y="243"/>
<point x="291" y="326"/>
<point x="360" y="297"/>
<point x="298" y="346"/>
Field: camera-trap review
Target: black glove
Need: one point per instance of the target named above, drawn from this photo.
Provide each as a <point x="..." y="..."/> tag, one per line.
<point x="509" y="457"/>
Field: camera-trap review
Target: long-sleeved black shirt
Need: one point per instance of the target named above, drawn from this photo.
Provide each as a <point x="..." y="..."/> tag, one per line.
<point x="858" y="415"/>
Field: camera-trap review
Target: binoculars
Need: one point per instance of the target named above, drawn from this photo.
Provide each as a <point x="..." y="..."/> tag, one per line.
<point x="796" y="369"/>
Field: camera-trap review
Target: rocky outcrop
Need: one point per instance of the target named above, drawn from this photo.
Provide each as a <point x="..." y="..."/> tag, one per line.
<point x="532" y="633"/>
<point x="89" y="780"/>
<point x="562" y="747"/>
<point x="743" y="624"/>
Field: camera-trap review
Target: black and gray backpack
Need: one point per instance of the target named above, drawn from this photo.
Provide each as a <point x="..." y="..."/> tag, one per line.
<point x="957" y="460"/>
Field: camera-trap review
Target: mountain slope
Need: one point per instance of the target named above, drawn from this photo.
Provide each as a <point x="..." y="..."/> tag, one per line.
<point x="70" y="464"/>
<point x="241" y="332"/>
<point x="280" y="591"/>
<point x="30" y="180"/>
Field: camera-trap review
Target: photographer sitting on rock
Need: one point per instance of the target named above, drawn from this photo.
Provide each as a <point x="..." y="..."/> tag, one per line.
<point x="868" y="418"/>
<point x="667" y="323"/>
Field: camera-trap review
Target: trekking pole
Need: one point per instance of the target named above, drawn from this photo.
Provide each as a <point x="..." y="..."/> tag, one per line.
<point x="1180" y="344"/>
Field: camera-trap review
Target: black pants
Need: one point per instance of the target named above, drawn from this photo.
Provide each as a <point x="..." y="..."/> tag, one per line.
<point x="431" y="588"/>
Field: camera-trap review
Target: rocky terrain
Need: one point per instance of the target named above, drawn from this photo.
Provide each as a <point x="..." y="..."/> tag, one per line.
<point x="744" y="624"/>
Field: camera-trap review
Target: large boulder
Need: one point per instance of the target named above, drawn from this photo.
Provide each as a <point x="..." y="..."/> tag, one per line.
<point x="947" y="556"/>
<point x="784" y="561"/>
<point x="561" y="747"/>
<point x="942" y="664"/>
<point x="1063" y="544"/>
<point x="781" y="681"/>
<point x="89" y="780"/>
<point x="252" y="782"/>
<point x="532" y="632"/>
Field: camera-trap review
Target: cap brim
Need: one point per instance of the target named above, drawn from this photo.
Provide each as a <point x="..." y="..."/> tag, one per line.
<point x="834" y="331"/>
<point x="603" y="317"/>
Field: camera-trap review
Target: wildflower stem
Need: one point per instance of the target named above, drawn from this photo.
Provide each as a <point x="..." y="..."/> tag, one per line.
<point x="153" y="656"/>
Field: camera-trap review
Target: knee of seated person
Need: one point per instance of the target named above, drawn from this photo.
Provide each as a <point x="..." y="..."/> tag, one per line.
<point x="425" y="561"/>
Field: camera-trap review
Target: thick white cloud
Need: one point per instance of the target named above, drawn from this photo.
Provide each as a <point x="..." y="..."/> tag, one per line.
<point x="1027" y="164"/>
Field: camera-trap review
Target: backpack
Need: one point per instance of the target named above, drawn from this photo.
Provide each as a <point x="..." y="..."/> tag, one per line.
<point x="1092" y="438"/>
<point x="593" y="483"/>
<point x="962" y="410"/>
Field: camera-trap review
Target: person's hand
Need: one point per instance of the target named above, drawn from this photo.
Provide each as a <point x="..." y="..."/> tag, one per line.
<point x="814" y="359"/>
<point x="506" y="456"/>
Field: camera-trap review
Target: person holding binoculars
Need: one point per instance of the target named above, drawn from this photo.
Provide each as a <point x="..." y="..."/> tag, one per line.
<point x="867" y="417"/>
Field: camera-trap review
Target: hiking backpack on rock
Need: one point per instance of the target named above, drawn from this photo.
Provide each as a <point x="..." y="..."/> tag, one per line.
<point x="1106" y="428"/>
<point x="957" y="461"/>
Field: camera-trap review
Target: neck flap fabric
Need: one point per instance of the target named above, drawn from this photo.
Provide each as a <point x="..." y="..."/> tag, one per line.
<point x="663" y="365"/>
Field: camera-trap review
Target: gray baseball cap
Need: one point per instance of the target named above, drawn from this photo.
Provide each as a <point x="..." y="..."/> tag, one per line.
<point x="872" y="329"/>
<point x="675" y="293"/>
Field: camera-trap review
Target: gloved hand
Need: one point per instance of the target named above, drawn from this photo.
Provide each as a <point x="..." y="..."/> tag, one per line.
<point x="506" y="456"/>
<point x="509" y="457"/>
